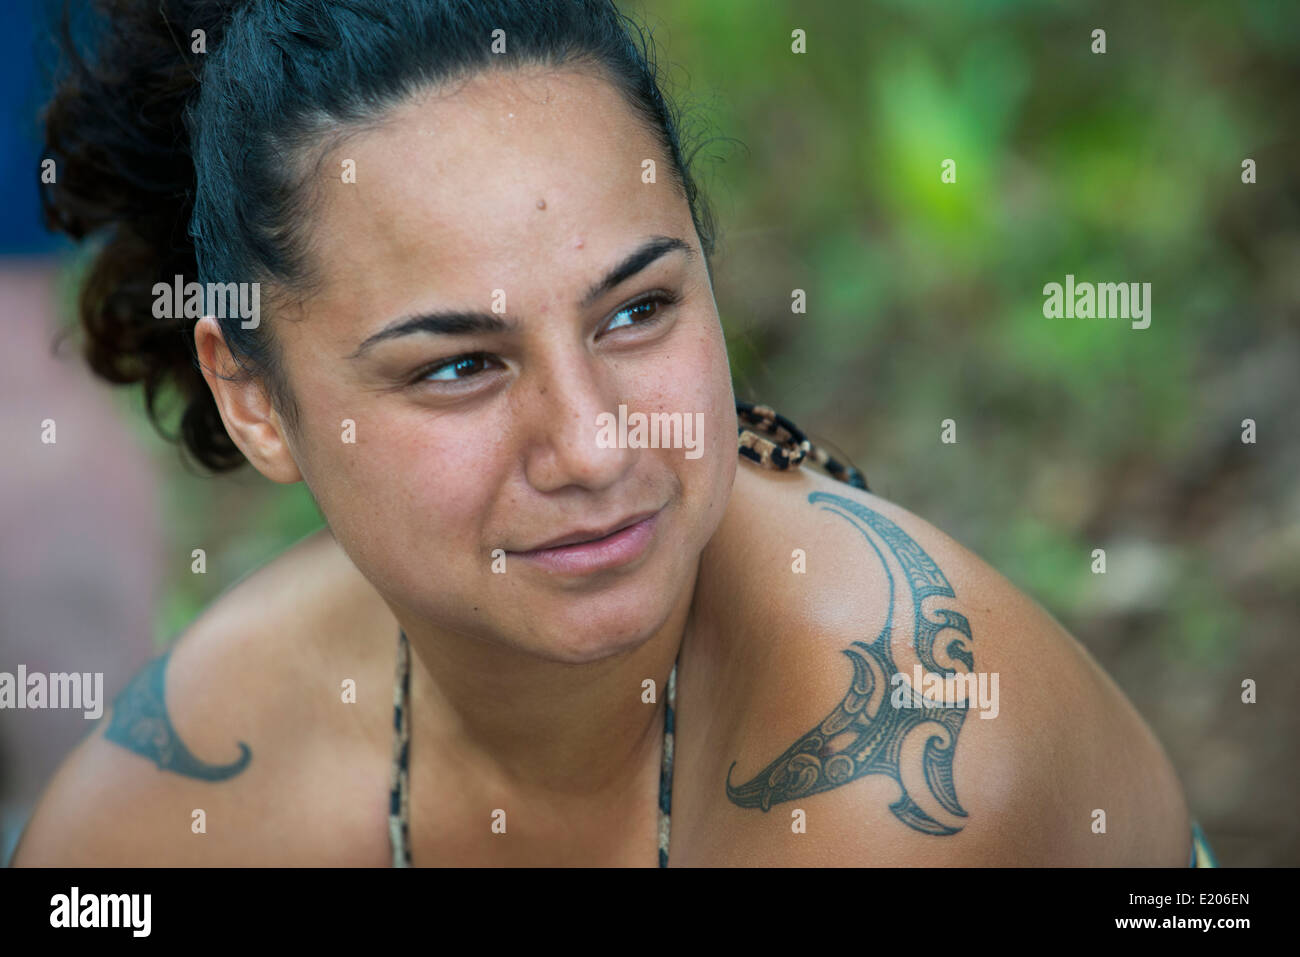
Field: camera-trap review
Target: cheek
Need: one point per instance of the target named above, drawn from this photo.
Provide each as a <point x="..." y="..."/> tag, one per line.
<point x="693" y="378"/>
<point x="395" y="484"/>
<point x="691" y="375"/>
<point x="700" y="378"/>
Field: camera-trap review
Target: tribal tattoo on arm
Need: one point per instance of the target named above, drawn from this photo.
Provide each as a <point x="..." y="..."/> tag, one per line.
<point x="865" y="732"/>
<point x="140" y="724"/>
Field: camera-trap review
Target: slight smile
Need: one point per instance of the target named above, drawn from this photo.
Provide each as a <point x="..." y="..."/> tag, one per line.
<point x="620" y="547"/>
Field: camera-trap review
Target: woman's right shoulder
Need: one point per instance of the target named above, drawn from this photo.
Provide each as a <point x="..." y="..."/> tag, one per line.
<point x="257" y="736"/>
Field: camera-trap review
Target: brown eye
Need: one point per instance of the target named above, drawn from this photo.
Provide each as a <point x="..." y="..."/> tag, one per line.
<point x="643" y="312"/>
<point x="466" y="364"/>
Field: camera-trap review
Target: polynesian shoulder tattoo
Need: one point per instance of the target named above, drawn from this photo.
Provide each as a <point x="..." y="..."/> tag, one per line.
<point x="140" y="724"/>
<point x="865" y="732"/>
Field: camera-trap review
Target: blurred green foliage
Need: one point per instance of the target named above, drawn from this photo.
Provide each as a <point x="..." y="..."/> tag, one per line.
<point x="925" y="298"/>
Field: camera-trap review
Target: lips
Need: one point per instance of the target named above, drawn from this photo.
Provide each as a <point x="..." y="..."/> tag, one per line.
<point x="591" y="535"/>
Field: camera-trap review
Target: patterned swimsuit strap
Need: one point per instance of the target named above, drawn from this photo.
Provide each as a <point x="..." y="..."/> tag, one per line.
<point x="399" y="813"/>
<point x="774" y="442"/>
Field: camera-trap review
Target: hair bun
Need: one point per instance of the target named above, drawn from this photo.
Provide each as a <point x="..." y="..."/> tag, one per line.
<point x="115" y="129"/>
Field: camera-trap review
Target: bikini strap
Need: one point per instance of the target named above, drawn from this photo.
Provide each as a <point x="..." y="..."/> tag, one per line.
<point x="666" y="769"/>
<point x="774" y="442"/>
<point x="399" y="812"/>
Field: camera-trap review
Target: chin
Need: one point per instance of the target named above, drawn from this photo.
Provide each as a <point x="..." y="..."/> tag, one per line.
<point x="583" y="631"/>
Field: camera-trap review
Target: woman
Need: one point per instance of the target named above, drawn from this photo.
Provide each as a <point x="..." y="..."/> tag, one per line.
<point x="489" y="346"/>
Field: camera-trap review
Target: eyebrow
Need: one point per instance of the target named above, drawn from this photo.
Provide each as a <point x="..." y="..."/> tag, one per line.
<point x="457" y="322"/>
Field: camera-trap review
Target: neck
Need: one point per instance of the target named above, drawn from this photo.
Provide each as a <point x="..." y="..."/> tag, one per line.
<point x="545" y="726"/>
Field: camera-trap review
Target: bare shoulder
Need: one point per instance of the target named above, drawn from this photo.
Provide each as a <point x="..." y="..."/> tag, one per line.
<point x="236" y="747"/>
<point x="838" y="612"/>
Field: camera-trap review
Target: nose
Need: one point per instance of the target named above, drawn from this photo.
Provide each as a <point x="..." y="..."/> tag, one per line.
<point x="561" y="416"/>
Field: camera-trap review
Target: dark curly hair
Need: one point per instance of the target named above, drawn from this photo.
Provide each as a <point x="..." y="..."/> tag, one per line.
<point x="197" y="164"/>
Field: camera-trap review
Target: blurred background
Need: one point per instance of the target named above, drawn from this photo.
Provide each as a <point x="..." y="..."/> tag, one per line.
<point x="925" y="302"/>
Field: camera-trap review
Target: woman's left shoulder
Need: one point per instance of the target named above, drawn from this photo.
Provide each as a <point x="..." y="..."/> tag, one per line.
<point x="837" y="613"/>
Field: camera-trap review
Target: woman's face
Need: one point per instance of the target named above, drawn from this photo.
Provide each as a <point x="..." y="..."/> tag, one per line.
<point x="512" y="196"/>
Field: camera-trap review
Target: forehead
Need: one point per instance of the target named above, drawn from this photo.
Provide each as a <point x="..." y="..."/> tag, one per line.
<point x="485" y="184"/>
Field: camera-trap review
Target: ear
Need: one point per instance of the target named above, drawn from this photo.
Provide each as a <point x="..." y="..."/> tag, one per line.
<point x="250" y="420"/>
